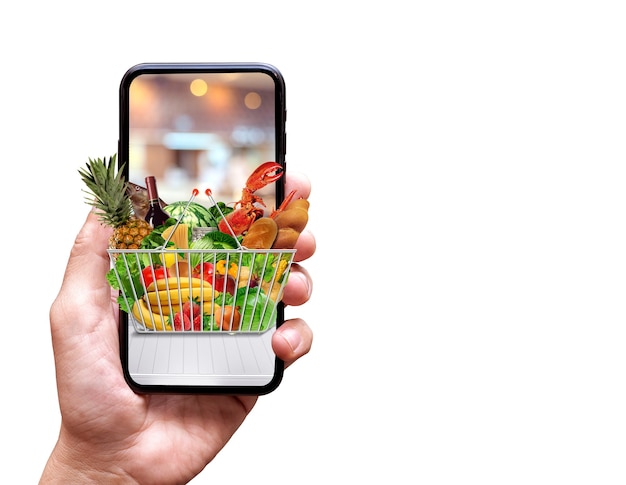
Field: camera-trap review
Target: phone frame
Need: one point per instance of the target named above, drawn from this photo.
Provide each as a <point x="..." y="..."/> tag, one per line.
<point x="123" y="157"/>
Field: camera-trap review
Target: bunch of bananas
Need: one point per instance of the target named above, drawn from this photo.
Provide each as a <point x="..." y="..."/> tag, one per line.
<point x="166" y="296"/>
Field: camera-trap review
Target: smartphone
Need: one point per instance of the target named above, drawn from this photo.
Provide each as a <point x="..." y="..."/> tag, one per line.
<point x="212" y="138"/>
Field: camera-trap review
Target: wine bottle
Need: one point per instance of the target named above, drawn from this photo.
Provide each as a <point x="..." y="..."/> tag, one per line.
<point x="156" y="215"/>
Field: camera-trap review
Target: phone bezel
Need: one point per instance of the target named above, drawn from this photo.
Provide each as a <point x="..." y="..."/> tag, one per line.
<point x="123" y="155"/>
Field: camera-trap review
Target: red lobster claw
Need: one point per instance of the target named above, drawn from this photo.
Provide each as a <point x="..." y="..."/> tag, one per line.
<point x="265" y="174"/>
<point x="246" y="212"/>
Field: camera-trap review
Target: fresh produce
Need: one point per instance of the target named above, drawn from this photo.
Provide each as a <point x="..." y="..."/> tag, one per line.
<point x="190" y="313"/>
<point x="178" y="238"/>
<point x="225" y="284"/>
<point x="272" y="286"/>
<point x="228" y="318"/>
<point x="175" y="296"/>
<point x="108" y="193"/>
<point x="178" y="295"/>
<point x="207" y="308"/>
<point x="174" y="283"/>
<point x="178" y="235"/>
<point x="196" y="214"/>
<point x="148" y="318"/>
<point x="151" y="273"/>
<point x="212" y="242"/>
<point x="219" y="282"/>
<point x="203" y="271"/>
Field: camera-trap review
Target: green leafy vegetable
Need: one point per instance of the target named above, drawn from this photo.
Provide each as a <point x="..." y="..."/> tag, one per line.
<point x="257" y="310"/>
<point x="211" y="241"/>
<point x="126" y="277"/>
<point x="216" y="213"/>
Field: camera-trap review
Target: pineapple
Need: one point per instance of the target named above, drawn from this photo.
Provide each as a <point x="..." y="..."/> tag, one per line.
<point x="108" y="191"/>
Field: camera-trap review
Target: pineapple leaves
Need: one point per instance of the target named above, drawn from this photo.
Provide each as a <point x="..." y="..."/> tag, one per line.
<point x="107" y="190"/>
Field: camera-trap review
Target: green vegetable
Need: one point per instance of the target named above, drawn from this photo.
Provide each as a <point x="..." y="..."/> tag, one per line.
<point x="258" y="311"/>
<point x="211" y="241"/>
<point x="155" y="240"/>
<point x="126" y="277"/>
<point x="264" y="264"/>
<point x="196" y="214"/>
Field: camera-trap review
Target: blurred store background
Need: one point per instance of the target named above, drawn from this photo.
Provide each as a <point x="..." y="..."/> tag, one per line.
<point x="201" y="131"/>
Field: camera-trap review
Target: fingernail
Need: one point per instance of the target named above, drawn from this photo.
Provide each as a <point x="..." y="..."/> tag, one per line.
<point x="292" y="337"/>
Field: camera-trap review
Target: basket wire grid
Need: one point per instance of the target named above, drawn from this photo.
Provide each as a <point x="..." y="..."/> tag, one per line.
<point x="250" y="280"/>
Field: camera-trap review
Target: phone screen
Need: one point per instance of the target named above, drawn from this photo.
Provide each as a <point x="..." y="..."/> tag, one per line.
<point x="202" y="130"/>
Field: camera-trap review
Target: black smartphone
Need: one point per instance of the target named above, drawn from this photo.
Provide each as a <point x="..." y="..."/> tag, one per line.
<point x="202" y="147"/>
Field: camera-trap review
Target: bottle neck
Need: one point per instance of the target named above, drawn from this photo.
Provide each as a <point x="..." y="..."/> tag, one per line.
<point x="153" y="195"/>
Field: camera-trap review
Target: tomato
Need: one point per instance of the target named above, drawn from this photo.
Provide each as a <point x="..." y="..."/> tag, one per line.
<point x="203" y="270"/>
<point x="207" y="271"/>
<point x="150" y="273"/>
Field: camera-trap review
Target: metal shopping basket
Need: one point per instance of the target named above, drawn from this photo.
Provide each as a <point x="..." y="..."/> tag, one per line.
<point x="207" y="291"/>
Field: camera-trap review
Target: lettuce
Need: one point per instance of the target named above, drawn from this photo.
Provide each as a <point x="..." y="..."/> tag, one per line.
<point x="257" y="310"/>
<point x="211" y="241"/>
<point x="125" y="276"/>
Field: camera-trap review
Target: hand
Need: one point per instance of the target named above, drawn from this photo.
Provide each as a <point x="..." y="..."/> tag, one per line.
<point x="108" y="433"/>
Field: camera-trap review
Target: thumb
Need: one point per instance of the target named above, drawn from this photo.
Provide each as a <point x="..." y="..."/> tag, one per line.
<point x="83" y="318"/>
<point x="84" y="284"/>
<point x="89" y="260"/>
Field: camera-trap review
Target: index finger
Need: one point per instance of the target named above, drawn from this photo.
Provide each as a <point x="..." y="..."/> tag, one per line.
<point x="299" y="182"/>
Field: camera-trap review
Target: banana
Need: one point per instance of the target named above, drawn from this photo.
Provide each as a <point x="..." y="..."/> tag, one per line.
<point x="166" y="309"/>
<point x="178" y="296"/>
<point x="172" y="283"/>
<point x="151" y="320"/>
<point x="208" y="307"/>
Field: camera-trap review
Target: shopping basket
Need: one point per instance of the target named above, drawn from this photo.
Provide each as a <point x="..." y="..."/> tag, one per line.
<point x="208" y="291"/>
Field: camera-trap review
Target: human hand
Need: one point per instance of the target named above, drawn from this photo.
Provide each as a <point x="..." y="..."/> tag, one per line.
<point x="108" y="433"/>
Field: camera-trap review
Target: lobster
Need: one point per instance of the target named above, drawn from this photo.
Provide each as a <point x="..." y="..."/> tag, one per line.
<point x="245" y="211"/>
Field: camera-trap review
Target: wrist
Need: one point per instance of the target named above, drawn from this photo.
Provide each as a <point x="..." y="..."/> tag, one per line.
<point x="70" y="464"/>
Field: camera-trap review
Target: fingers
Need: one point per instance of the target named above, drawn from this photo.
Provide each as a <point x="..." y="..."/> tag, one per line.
<point x="305" y="246"/>
<point x="294" y="337"/>
<point x="299" y="286"/>
<point x="299" y="182"/>
<point x="292" y="340"/>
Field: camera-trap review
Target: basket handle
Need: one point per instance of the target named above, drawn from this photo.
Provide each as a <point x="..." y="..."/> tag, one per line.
<point x="209" y="194"/>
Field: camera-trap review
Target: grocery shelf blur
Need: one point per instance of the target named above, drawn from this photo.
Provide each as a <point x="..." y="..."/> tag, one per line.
<point x="198" y="131"/>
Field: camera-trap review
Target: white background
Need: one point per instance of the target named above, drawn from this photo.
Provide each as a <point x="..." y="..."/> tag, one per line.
<point x="468" y="168"/>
